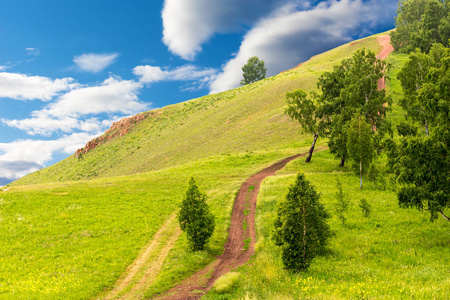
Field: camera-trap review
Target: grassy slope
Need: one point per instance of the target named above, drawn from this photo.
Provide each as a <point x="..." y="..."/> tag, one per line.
<point x="73" y="239"/>
<point x="244" y="119"/>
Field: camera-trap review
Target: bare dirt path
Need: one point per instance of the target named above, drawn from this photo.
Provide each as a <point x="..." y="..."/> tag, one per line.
<point x="241" y="238"/>
<point x="141" y="273"/>
<point x="385" y="42"/>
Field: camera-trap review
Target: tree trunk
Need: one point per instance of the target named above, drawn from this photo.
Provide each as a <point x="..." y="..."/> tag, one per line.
<point x="342" y="161"/>
<point x="311" y="150"/>
<point x="304" y="233"/>
<point x="360" y="175"/>
<point x="444" y="216"/>
<point x="426" y="127"/>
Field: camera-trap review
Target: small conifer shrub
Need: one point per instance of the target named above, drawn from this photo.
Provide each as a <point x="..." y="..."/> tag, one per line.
<point x="301" y="228"/>
<point x="195" y="218"/>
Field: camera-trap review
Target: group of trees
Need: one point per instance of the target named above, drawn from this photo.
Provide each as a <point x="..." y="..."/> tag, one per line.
<point x="421" y="163"/>
<point x="350" y="111"/>
<point x="420" y="23"/>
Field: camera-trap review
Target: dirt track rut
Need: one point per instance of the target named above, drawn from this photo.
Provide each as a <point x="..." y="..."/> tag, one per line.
<point x="236" y="252"/>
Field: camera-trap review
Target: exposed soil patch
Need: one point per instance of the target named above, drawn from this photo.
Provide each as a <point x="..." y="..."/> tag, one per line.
<point x="117" y="129"/>
<point x="141" y="273"/>
<point x="385" y="42"/>
<point x="241" y="238"/>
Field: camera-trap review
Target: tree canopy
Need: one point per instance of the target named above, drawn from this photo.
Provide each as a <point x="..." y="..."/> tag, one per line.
<point x="303" y="109"/>
<point x="253" y="70"/>
<point x="351" y="90"/>
<point x="419" y="82"/>
<point x="420" y="23"/>
<point x="422" y="164"/>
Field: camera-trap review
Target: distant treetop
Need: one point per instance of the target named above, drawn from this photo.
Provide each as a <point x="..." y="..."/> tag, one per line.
<point x="253" y="70"/>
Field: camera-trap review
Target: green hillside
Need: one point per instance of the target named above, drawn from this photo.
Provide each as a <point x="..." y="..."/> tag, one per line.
<point x="245" y="119"/>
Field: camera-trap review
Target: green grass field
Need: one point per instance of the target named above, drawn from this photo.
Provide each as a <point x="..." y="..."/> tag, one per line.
<point x="395" y="253"/>
<point x="72" y="240"/>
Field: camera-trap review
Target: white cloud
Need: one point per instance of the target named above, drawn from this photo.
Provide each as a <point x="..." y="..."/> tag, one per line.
<point x="289" y="37"/>
<point x="3" y="68"/>
<point x="24" y="156"/>
<point x="112" y="96"/>
<point x="95" y="63"/>
<point x="151" y="74"/>
<point x="24" y="87"/>
<point x="189" y="23"/>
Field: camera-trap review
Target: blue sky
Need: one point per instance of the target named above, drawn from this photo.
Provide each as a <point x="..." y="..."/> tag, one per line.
<point x="68" y="69"/>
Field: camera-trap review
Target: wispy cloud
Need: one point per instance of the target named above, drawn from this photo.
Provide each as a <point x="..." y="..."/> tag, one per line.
<point x="32" y="51"/>
<point x="24" y="87"/>
<point x="198" y="77"/>
<point x="94" y="63"/>
<point x="24" y="156"/>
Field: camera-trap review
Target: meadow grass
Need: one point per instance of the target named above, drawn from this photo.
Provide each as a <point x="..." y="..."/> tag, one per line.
<point x="72" y="240"/>
<point x="394" y="253"/>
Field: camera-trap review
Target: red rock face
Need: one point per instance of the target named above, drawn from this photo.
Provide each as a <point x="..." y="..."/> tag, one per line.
<point x="118" y="129"/>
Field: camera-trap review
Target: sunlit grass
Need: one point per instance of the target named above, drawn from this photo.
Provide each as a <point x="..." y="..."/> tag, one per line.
<point x="395" y="253"/>
<point x="73" y="240"/>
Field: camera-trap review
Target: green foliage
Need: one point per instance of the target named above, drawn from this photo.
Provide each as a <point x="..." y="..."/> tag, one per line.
<point x="253" y="70"/>
<point x="300" y="228"/>
<point x="360" y="146"/>
<point x="303" y="110"/>
<point x="373" y="174"/>
<point x="365" y="207"/>
<point x="406" y="129"/>
<point x="352" y="89"/>
<point x="424" y="80"/>
<point x="342" y="202"/>
<point x="421" y="165"/>
<point x="195" y="218"/>
<point x="420" y="23"/>
<point x="226" y="282"/>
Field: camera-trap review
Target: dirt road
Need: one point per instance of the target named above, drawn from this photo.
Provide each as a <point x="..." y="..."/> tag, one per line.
<point x="241" y="238"/>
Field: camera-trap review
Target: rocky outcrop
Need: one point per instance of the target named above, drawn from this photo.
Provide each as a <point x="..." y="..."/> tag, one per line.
<point x="118" y="129"/>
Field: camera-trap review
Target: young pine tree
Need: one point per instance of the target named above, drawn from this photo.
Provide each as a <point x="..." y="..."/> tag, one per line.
<point x="301" y="228"/>
<point x="195" y="218"/>
<point x="342" y="202"/>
